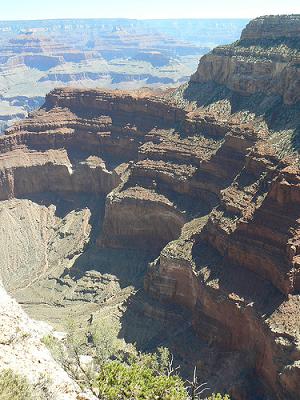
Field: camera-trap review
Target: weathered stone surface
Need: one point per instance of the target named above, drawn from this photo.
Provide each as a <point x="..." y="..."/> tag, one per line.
<point x="201" y="186"/>
<point x="22" y="351"/>
<point x="265" y="60"/>
<point x="138" y="217"/>
<point x="272" y="27"/>
<point x="162" y="167"/>
<point x="42" y="238"/>
<point x="23" y="172"/>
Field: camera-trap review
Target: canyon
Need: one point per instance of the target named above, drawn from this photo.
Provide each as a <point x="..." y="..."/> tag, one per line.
<point x="38" y="56"/>
<point x="174" y="212"/>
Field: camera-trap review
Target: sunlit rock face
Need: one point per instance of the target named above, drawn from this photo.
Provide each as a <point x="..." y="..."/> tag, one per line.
<point x="38" y="56"/>
<point x="265" y="60"/>
<point x="203" y="181"/>
<point x="22" y="350"/>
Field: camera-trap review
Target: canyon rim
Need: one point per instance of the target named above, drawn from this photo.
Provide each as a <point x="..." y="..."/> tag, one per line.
<point x="176" y="212"/>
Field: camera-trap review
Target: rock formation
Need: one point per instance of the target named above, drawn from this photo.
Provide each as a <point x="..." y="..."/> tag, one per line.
<point x="37" y="56"/>
<point x="265" y="60"/>
<point x="205" y="178"/>
<point x="22" y="350"/>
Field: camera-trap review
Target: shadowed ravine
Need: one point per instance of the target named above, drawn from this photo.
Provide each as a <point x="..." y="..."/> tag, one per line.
<point x="175" y="215"/>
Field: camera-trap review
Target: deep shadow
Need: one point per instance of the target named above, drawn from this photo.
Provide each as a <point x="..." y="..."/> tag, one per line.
<point x="129" y="266"/>
<point x="237" y="279"/>
<point x="170" y="326"/>
<point x="269" y="108"/>
<point x="66" y="202"/>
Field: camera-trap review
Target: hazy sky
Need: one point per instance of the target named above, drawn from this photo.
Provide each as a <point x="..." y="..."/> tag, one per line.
<point x="41" y="9"/>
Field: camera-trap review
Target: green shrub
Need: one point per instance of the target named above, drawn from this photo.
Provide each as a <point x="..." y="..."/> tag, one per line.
<point x="117" y="380"/>
<point x="218" y="396"/>
<point x="14" y="387"/>
<point x="119" y="372"/>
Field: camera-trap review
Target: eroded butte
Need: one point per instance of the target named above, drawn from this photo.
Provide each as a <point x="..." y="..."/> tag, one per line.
<point x="176" y="213"/>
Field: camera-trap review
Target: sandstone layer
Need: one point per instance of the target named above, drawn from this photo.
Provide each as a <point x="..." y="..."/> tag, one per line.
<point x="265" y="59"/>
<point x="37" y="56"/>
<point x="205" y="179"/>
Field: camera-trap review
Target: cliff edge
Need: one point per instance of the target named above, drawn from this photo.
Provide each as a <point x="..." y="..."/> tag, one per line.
<point x="205" y="179"/>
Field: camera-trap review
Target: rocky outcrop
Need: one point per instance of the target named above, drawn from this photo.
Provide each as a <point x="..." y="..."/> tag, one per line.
<point x="273" y="27"/>
<point x="22" y="350"/>
<point x="231" y="291"/>
<point x="35" y="57"/>
<point x="139" y="217"/>
<point x="239" y="291"/>
<point x="25" y="172"/>
<point x="43" y="240"/>
<point x="168" y="168"/>
<point x="207" y="188"/>
<point x="265" y="60"/>
<point x="275" y="260"/>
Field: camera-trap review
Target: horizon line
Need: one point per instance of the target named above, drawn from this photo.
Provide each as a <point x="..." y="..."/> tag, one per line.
<point x="143" y="19"/>
<point x="133" y="19"/>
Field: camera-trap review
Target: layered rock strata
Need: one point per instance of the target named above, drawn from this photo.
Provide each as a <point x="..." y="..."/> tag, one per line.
<point x="165" y="169"/>
<point x="201" y="185"/>
<point x="265" y="59"/>
<point x="237" y="269"/>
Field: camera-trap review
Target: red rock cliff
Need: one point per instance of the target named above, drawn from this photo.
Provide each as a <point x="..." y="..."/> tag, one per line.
<point x="205" y="185"/>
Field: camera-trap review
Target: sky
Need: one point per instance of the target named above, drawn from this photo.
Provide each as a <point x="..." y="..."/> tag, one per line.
<point x="144" y="9"/>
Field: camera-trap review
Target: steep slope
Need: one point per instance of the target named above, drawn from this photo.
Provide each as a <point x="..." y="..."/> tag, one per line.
<point x="222" y="270"/>
<point x="37" y="56"/>
<point x="265" y="60"/>
<point x="203" y="181"/>
<point x="21" y="350"/>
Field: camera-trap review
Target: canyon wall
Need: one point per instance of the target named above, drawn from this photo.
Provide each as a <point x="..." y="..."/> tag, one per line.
<point x="264" y="60"/>
<point x="207" y="192"/>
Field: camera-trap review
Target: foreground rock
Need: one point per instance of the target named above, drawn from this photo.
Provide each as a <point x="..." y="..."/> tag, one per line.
<point x="22" y="351"/>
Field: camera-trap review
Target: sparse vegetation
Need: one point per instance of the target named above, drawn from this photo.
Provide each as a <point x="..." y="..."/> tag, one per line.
<point x="105" y="365"/>
<point x="118" y="380"/>
<point x="218" y="396"/>
<point x="15" y="387"/>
